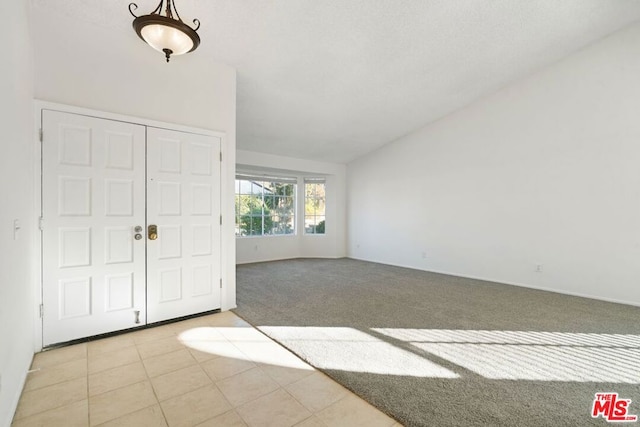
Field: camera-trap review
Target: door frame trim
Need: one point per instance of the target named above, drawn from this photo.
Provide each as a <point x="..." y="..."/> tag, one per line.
<point x="227" y="170"/>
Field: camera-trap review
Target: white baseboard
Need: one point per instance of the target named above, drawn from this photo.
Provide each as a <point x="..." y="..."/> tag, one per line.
<point x="288" y="258"/>
<point x="521" y="285"/>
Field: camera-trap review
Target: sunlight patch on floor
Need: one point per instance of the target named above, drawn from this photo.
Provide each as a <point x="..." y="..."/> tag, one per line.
<point x="538" y="356"/>
<point x="246" y="344"/>
<point x="348" y="349"/>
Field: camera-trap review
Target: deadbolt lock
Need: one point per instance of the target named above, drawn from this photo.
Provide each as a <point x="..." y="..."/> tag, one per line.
<point x="137" y="228"/>
<point x="153" y="232"/>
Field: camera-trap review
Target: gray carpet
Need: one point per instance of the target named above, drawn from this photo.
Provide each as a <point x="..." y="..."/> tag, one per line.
<point x="437" y="350"/>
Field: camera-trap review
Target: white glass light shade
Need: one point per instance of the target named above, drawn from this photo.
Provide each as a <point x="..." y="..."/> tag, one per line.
<point x="165" y="33"/>
<point x="162" y="37"/>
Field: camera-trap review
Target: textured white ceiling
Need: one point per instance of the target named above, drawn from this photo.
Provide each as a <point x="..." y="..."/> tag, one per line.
<point x="334" y="79"/>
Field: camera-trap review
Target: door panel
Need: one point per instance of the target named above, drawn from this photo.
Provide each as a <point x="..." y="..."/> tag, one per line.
<point x="183" y="201"/>
<point x="93" y="195"/>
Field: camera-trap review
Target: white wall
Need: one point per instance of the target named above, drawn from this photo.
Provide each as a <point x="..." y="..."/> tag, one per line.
<point x="330" y="245"/>
<point x="111" y="70"/>
<point x="545" y="171"/>
<point x="17" y="307"/>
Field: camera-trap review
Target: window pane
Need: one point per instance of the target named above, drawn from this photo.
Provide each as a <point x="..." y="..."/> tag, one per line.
<point x="283" y="224"/>
<point x="309" y="209"/>
<point x="275" y="227"/>
<point x="314" y="224"/>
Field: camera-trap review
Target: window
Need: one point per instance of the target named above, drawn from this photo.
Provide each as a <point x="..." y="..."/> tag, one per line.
<point x="265" y="206"/>
<point x="314" y="205"/>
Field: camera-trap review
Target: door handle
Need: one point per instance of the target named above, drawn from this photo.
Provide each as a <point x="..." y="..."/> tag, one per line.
<point x="153" y="232"/>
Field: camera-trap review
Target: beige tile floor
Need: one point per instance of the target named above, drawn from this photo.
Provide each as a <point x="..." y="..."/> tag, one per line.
<point x="214" y="370"/>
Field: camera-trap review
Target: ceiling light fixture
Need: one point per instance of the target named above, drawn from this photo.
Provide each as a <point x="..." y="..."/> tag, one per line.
<point x="166" y="33"/>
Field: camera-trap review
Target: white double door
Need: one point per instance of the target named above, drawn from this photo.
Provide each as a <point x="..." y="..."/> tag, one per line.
<point x="130" y="225"/>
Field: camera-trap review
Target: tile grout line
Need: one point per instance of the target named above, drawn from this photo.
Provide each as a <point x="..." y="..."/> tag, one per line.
<point x="197" y="363"/>
<point x="259" y="365"/>
<point x="284" y="387"/>
<point x="124" y="386"/>
<point x="52" y="408"/>
<point x="88" y="402"/>
<point x="215" y="381"/>
<point x="164" y="416"/>
<point x="256" y="365"/>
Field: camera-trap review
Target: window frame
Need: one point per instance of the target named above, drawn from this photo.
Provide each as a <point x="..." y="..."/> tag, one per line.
<point x="315" y="216"/>
<point x="263" y="181"/>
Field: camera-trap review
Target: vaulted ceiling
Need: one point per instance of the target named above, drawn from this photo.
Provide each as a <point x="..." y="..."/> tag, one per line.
<point x="334" y="79"/>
